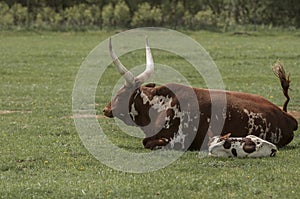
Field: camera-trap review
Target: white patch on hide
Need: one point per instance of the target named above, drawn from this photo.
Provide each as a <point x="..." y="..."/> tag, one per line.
<point x="167" y="123"/>
<point x="162" y="103"/>
<point x="277" y="136"/>
<point x="263" y="128"/>
<point x="133" y="112"/>
<point x="263" y="148"/>
<point x="224" y="113"/>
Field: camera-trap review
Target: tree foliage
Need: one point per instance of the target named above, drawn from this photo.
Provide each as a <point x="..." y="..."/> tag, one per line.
<point x="108" y="15"/>
<point x="197" y="14"/>
<point x="121" y="14"/>
<point x="147" y="15"/>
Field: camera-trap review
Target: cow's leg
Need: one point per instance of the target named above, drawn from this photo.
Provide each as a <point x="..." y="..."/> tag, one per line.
<point x="155" y="132"/>
<point x="152" y="144"/>
<point x="146" y="140"/>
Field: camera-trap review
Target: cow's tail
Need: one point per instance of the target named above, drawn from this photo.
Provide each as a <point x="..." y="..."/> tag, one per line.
<point x="279" y="71"/>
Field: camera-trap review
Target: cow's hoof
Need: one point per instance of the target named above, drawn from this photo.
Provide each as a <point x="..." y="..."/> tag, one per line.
<point x="145" y="141"/>
<point x="156" y="144"/>
<point x="151" y="144"/>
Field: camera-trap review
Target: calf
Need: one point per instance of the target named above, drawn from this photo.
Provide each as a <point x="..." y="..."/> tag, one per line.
<point x="249" y="146"/>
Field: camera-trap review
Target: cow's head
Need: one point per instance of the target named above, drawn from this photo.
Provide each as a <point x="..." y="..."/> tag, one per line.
<point x="249" y="146"/>
<point x="119" y="105"/>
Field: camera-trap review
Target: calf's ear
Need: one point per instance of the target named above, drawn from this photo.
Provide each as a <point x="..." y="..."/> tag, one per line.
<point x="225" y="137"/>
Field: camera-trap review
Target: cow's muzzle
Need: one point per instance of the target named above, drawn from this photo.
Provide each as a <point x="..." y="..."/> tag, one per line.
<point x="108" y="112"/>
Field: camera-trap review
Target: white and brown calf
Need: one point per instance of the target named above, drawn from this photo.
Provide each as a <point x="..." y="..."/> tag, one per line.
<point x="249" y="146"/>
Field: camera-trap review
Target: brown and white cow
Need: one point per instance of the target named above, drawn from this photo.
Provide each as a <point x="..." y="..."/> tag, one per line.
<point x="170" y="117"/>
<point x="249" y="146"/>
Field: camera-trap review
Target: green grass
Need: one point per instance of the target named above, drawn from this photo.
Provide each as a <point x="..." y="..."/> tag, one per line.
<point x="42" y="155"/>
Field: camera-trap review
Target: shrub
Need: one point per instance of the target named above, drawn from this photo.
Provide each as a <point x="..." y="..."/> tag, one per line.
<point x="82" y="15"/>
<point x="178" y="14"/>
<point x="19" y="14"/>
<point x="96" y="15"/>
<point x="121" y="14"/>
<point x="147" y="16"/>
<point x="6" y="18"/>
<point x="204" y="19"/>
<point x="166" y="10"/>
<point x="188" y="20"/>
<point x="108" y="15"/>
<point x="47" y="17"/>
<point x="172" y="14"/>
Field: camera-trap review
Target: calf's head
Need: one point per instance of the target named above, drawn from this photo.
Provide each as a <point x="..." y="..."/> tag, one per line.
<point x="119" y="104"/>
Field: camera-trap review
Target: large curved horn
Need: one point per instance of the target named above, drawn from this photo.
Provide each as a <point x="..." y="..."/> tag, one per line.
<point x="149" y="65"/>
<point x="128" y="76"/>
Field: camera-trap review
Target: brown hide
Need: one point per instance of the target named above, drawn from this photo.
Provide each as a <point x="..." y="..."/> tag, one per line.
<point x="180" y="117"/>
<point x="153" y="123"/>
<point x="246" y="114"/>
<point x="252" y="114"/>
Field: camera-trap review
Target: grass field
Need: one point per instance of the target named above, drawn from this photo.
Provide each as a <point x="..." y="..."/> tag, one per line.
<point x="42" y="155"/>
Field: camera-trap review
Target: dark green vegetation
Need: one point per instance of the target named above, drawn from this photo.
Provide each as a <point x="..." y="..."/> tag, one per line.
<point x="42" y="156"/>
<point x="221" y="15"/>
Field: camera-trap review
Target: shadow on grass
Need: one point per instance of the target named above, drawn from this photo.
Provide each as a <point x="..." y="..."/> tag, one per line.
<point x="290" y="147"/>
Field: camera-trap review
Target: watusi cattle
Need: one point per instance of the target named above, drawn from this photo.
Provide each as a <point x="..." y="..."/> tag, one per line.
<point x="171" y="118"/>
<point x="249" y="146"/>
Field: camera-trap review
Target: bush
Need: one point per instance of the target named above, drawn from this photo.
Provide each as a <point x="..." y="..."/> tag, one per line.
<point x="172" y="14"/>
<point x="121" y="14"/>
<point x="6" y="18"/>
<point x="178" y="15"/>
<point x="166" y="10"/>
<point x="147" y="16"/>
<point x="108" y="15"/>
<point x="198" y="14"/>
<point x="19" y="14"/>
<point x="188" y="20"/>
<point x="82" y="16"/>
<point x="96" y="15"/>
<point x="47" y="17"/>
<point x="204" y="19"/>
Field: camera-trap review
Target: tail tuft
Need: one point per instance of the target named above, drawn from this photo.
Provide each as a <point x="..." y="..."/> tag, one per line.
<point x="278" y="70"/>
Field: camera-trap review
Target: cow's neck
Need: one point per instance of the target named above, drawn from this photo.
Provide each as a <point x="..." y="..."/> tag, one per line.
<point x="147" y="103"/>
<point x="155" y="112"/>
<point x="138" y="110"/>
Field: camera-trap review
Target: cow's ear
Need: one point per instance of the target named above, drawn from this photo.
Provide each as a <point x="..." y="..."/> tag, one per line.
<point x="150" y="85"/>
<point x="149" y="91"/>
<point x="153" y="91"/>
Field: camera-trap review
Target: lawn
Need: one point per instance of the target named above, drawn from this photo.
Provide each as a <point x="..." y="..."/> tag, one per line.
<point x="42" y="155"/>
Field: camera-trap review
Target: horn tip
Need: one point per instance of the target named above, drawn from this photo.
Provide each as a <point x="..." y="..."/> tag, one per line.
<point x="110" y="46"/>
